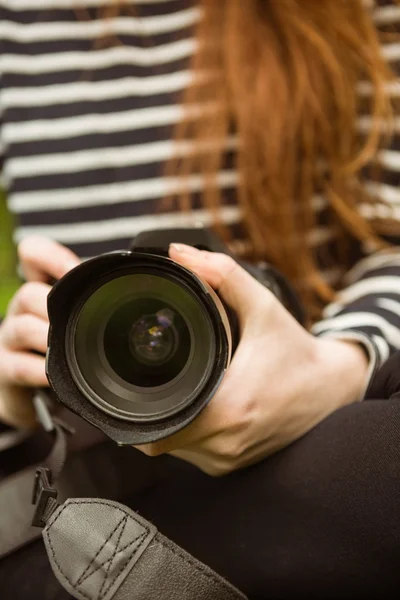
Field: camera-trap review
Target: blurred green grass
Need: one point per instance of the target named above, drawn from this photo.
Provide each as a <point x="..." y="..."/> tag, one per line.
<point x="8" y="279"/>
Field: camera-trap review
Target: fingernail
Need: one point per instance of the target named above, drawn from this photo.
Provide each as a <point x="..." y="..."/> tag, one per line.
<point x="184" y="249"/>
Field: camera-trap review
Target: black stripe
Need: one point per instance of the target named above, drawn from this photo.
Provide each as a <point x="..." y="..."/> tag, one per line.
<point x="368" y="330"/>
<point x="86" y="178"/>
<point x="116" y="139"/>
<point x="383" y="176"/>
<point x="367" y="304"/>
<point x="50" y="15"/>
<point x="383" y="271"/>
<point x="74" y="109"/>
<point x="118" y="70"/>
<point x="26" y="17"/>
<point x="82" y="44"/>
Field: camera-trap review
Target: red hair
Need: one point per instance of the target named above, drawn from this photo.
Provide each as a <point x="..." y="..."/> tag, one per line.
<point x="284" y="75"/>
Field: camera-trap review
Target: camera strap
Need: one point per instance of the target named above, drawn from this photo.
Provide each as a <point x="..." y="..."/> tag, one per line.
<point x="17" y="524"/>
<point x="98" y="548"/>
<point x="102" y="550"/>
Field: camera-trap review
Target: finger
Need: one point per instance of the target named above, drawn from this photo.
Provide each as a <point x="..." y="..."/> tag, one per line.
<point x="24" y="369"/>
<point x="30" y="298"/>
<point x="26" y="332"/>
<point x="16" y="408"/>
<point x="43" y="259"/>
<point x="237" y="287"/>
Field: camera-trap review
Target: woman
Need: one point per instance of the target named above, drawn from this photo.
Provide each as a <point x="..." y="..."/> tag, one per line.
<point x="282" y="147"/>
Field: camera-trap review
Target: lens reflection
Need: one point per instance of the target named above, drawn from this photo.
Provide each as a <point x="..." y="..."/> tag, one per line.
<point x="154" y="337"/>
<point x="146" y="342"/>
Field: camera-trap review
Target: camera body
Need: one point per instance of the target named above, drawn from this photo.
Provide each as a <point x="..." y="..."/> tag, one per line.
<point x="138" y="345"/>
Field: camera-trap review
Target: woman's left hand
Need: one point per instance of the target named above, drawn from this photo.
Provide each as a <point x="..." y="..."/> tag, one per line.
<point x="282" y="381"/>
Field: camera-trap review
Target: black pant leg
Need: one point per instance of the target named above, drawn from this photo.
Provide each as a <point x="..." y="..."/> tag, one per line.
<point x="319" y="520"/>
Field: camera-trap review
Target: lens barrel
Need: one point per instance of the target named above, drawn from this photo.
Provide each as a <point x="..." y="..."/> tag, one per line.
<point x="138" y="345"/>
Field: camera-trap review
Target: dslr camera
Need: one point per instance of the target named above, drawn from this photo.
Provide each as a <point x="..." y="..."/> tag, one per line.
<point x="138" y="345"/>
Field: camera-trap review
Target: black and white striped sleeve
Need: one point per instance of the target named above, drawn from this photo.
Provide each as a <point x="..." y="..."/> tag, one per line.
<point x="368" y="309"/>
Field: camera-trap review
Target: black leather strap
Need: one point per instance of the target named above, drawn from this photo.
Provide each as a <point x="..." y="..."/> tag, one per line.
<point x="101" y="550"/>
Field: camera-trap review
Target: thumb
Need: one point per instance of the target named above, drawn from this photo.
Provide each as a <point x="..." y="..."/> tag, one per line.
<point x="236" y="286"/>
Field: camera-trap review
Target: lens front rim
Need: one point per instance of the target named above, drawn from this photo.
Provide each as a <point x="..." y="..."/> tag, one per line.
<point x="196" y="287"/>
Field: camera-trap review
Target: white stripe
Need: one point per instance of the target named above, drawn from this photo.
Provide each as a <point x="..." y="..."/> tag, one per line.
<point x="82" y="91"/>
<point x="101" y="158"/>
<point x="319" y="202"/>
<point x="388" y="193"/>
<point x="320" y="235"/>
<point x="365" y="124"/>
<point x="383" y="347"/>
<point x="365" y="88"/>
<point x="386" y="15"/>
<point x="360" y="319"/>
<point x="97" y="59"/>
<point x="154" y="25"/>
<point x="146" y="189"/>
<point x="391" y="52"/>
<point x="19" y="5"/>
<point x="55" y="129"/>
<point x="390" y="159"/>
<point x="125" y="227"/>
<point x="390" y="305"/>
<point x="383" y="284"/>
<point x="113" y="193"/>
<point x="379" y="260"/>
<point x="380" y="211"/>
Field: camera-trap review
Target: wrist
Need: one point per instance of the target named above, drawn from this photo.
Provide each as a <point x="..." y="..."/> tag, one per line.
<point x="346" y="366"/>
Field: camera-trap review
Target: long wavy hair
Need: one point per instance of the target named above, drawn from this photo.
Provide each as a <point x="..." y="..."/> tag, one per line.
<point x="284" y="75"/>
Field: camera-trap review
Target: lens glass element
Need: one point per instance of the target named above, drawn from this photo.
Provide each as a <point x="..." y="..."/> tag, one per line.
<point x="153" y="338"/>
<point x="147" y="342"/>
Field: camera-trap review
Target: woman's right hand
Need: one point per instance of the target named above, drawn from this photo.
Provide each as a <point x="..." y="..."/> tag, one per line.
<point x="23" y="333"/>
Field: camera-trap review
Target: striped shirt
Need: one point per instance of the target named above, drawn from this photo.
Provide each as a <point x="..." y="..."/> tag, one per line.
<point x="86" y="130"/>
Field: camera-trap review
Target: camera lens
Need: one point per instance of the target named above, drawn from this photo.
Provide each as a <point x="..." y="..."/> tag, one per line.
<point x="147" y="350"/>
<point x="154" y="338"/>
<point x="142" y="345"/>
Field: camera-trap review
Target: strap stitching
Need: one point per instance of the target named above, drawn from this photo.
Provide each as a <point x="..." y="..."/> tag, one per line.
<point x="62" y="572"/>
<point x="123" y="566"/>
<point x="123" y="527"/>
<point x="139" y="539"/>
<point x="55" y="518"/>
<point x="98" y="552"/>
<point x="124" y="512"/>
